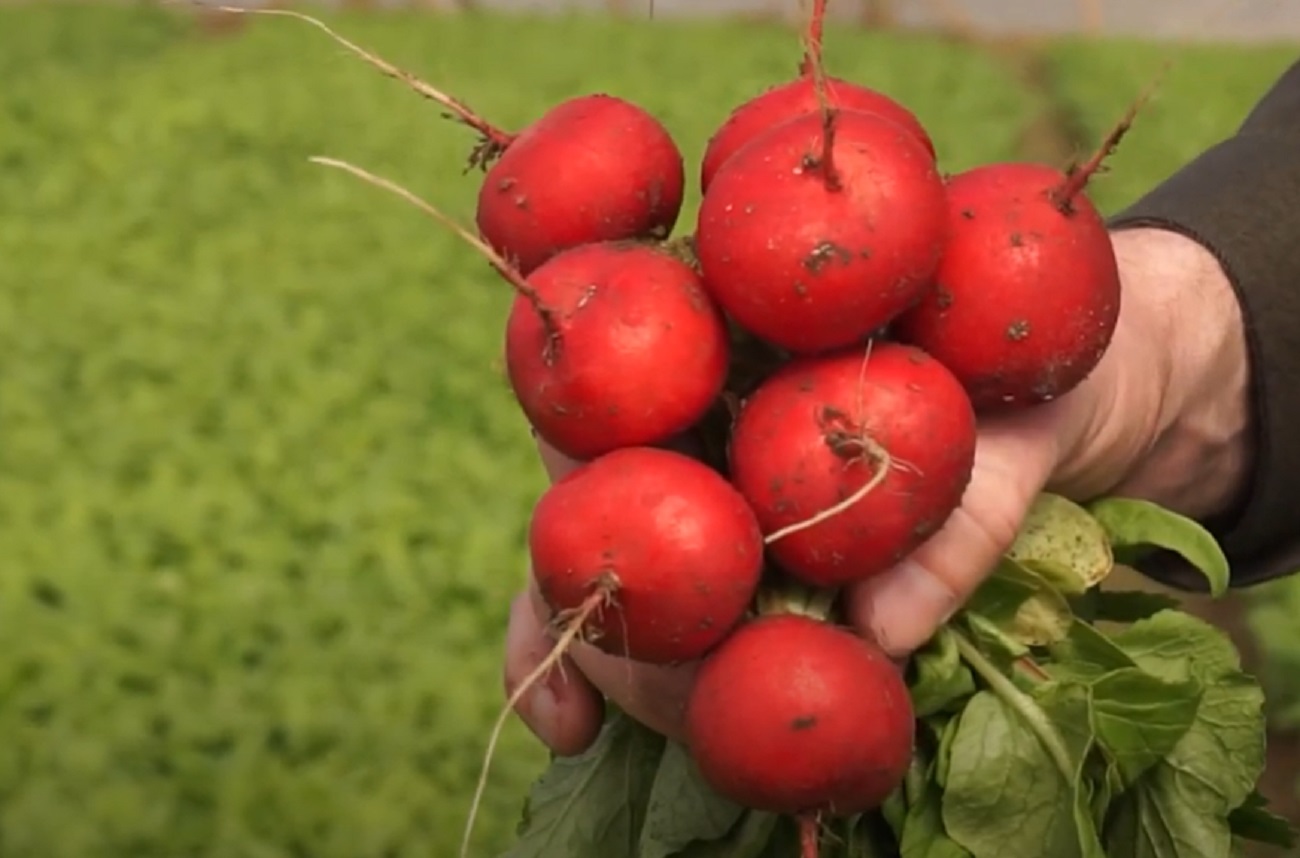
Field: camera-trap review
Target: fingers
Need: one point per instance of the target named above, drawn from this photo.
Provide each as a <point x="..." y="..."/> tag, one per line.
<point x="562" y="708"/>
<point x="556" y="463"/>
<point x="902" y="608"/>
<point x="654" y="695"/>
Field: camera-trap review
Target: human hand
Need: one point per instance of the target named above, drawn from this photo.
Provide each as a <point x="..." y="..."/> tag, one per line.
<point x="1163" y="417"/>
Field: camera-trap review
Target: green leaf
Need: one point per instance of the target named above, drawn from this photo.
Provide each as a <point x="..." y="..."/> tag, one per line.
<point x="943" y="756"/>
<point x="754" y="835"/>
<point x="1161" y="817"/>
<point x="1129" y="606"/>
<point x="1139" y="718"/>
<point x="1023" y="605"/>
<point x="1224" y="748"/>
<point x="1002" y="593"/>
<point x="1105" y="787"/>
<point x="683" y="808"/>
<point x="1273" y="610"/>
<point x="783" y="841"/>
<point x="1182" y="804"/>
<point x="1254" y="821"/>
<point x="1000" y="646"/>
<point x="864" y="836"/>
<point x="1064" y="544"/>
<point x="1042" y="620"/>
<point x="1067" y="705"/>
<point x="923" y="832"/>
<point x="1086" y="653"/>
<point x="1175" y="645"/>
<point x="939" y="678"/>
<point x="1006" y="795"/>
<point x="894" y="811"/>
<point x="593" y="805"/>
<point x="1137" y="523"/>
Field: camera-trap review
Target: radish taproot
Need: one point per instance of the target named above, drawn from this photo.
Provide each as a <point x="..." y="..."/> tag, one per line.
<point x="664" y="542"/>
<point x="793" y="715"/>
<point x="592" y="168"/>
<point x="850" y="461"/>
<point x="628" y="350"/>
<point x="821" y="230"/>
<point x="1027" y="294"/>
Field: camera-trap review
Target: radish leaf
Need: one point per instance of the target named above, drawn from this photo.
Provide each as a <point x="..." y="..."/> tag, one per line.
<point x="593" y="805"/>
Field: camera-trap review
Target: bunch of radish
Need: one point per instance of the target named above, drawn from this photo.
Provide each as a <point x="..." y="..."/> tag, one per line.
<point x="783" y="400"/>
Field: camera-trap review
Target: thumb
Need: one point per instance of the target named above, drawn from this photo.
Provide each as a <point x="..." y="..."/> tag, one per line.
<point x="902" y="608"/>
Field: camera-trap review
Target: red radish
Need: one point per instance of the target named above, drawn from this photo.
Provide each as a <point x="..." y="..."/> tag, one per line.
<point x="607" y="345"/>
<point x="850" y="462"/>
<point x="644" y="553"/>
<point x="821" y="230"/>
<point x="792" y="715"/>
<point x="630" y="351"/>
<point x="1027" y="296"/>
<point x="671" y="546"/>
<point x="805" y="94"/>
<point x="1028" y="293"/>
<point x="593" y="168"/>
<point x="799" y="98"/>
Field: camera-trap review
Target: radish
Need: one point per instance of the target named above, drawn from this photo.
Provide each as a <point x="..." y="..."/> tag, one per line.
<point x="592" y="168"/>
<point x="799" y="97"/>
<point x="795" y="716"/>
<point x="670" y="551"/>
<point x="850" y="462"/>
<point x="607" y="345"/>
<point x="644" y="553"/>
<point x="628" y="350"/>
<point x="823" y="229"/>
<point x="1027" y="295"/>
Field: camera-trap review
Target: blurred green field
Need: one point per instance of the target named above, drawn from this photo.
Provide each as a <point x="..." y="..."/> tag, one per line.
<point x="263" y="489"/>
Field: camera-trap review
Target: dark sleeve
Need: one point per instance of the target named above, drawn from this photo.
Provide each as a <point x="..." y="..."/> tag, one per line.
<point x="1241" y="200"/>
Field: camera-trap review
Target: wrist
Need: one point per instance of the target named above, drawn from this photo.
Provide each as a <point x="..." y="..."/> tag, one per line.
<point x="1198" y="456"/>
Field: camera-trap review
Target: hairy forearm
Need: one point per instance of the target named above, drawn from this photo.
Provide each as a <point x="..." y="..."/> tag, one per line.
<point x="1199" y="458"/>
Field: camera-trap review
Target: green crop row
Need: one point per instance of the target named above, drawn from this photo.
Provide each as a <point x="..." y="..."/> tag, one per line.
<point x="263" y="489"/>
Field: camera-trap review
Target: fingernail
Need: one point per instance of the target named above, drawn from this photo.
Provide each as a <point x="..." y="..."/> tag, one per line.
<point x="905" y="606"/>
